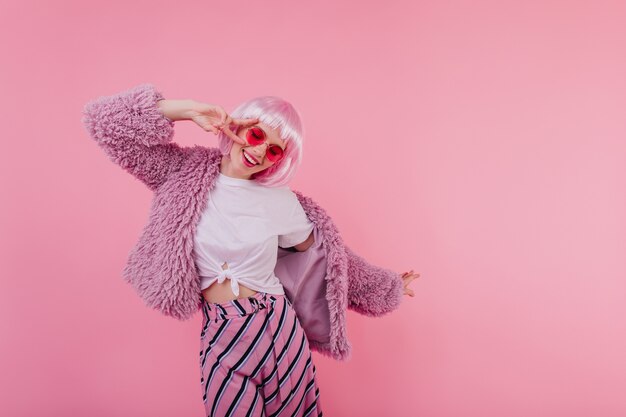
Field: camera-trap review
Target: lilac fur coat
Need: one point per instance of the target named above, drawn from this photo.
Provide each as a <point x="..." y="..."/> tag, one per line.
<point x="321" y="282"/>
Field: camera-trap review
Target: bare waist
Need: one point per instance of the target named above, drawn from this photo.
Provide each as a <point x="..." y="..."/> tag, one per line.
<point x="221" y="292"/>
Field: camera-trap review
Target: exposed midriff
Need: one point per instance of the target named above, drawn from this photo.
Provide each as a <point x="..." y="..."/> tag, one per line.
<point x="222" y="292"/>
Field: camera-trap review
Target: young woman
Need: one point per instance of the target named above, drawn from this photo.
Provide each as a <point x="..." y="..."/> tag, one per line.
<point x="255" y="357"/>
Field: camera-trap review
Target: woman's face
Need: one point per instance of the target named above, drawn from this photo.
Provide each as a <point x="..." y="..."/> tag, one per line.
<point x="239" y="163"/>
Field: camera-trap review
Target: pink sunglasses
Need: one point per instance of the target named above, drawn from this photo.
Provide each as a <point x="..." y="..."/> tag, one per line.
<point x="256" y="136"/>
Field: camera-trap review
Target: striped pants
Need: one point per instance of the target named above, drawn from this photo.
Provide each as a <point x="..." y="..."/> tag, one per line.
<point x="255" y="359"/>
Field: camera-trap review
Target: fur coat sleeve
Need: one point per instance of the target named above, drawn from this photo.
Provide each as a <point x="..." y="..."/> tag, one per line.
<point x="135" y="134"/>
<point x="372" y="290"/>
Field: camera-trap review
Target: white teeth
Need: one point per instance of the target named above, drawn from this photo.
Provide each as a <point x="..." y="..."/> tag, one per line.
<point x="248" y="158"/>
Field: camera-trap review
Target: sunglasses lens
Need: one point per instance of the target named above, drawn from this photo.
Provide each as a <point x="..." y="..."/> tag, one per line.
<point x="255" y="136"/>
<point x="274" y="153"/>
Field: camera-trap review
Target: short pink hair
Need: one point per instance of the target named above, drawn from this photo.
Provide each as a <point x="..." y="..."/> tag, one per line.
<point x="280" y="115"/>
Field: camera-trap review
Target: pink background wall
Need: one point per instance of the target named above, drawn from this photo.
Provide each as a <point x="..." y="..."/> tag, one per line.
<point x="493" y="134"/>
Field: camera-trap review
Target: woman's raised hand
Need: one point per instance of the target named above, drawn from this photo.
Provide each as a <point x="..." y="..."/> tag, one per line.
<point x="408" y="277"/>
<point x="214" y="118"/>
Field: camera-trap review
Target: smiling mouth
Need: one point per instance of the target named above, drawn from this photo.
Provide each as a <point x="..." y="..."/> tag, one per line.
<point x="247" y="161"/>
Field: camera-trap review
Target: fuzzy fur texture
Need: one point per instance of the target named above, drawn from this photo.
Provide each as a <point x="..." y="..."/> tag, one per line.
<point x="135" y="135"/>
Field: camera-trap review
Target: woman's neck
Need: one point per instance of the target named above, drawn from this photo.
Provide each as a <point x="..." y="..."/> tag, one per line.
<point x="225" y="169"/>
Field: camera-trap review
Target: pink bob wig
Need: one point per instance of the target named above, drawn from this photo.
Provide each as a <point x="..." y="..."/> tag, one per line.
<point x="280" y="115"/>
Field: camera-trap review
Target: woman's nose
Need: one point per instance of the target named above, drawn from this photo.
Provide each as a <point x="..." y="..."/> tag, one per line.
<point x="259" y="146"/>
<point x="259" y="151"/>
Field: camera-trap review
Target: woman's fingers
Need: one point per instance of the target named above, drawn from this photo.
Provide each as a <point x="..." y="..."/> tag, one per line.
<point x="226" y="130"/>
<point x="246" y="122"/>
<point x="412" y="277"/>
<point x="227" y="121"/>
<point x="215" y="119"/>
<point x="222" y="113"/>
<point x="410" y="273"/>
<point x="407" y="277"/>
<point x="212" y="129"/>
<point x="224" y="125"/>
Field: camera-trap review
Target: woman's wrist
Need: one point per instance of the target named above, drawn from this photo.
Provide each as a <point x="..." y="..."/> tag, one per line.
<point x="176" y="109"/>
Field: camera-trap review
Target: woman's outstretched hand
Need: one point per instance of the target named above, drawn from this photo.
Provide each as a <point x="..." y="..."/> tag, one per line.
<point x="407" y="277"/>
<point x="214" y="118"/>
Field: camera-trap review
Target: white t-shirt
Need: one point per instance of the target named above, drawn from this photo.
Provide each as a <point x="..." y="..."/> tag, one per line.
<point x="243" y="225"/>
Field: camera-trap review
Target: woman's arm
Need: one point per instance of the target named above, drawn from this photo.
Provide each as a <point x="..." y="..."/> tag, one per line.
<point x="301" y="247"/>
<point x="135" y="132"/>
<point x="176" y="110"/>
<point x="372" y="290"/>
